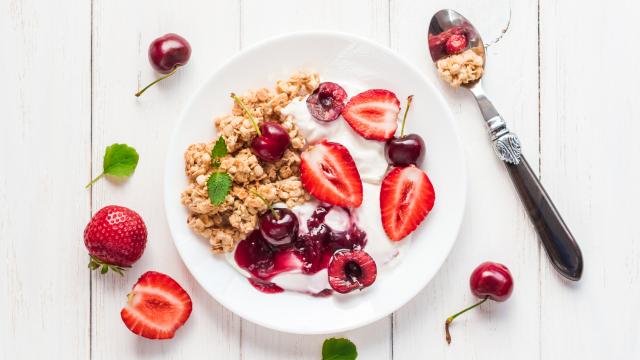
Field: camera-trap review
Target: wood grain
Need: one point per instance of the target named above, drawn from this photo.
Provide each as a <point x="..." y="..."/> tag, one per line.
<point x="122" y="31"/>
<point x="562" y="76"/>
<point x="44" y="162"/>
<point x="495" y="226"/>
<point x="589" y="126"/>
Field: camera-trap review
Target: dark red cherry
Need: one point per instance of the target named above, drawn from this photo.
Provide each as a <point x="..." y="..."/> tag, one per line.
<point x="404" y="150"/>
<point x="279" y="227"/>
<point x="168" y="52"/>
<point x="272" y="140"/>
<point x="272" y="143"/>
<point x="489" y="280"/>
<point x="327" y="101"/>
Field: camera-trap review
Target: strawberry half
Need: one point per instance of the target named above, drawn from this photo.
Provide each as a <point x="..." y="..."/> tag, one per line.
<point x="406" y="197"/>
<point x="156" y="306"/>
<point x="373" y="114"/>
<point x="329" y="173"/>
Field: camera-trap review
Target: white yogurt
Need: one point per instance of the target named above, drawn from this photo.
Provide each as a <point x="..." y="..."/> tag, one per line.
<point x="367" y="154"/>
<point x="370" y="161"/>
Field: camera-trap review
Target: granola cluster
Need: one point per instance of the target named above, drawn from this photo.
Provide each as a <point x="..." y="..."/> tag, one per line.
<point x="279" y="182"/>
<point x="461" y="68"/>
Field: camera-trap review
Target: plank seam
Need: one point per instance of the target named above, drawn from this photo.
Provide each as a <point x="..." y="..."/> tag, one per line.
<point x="91" y="169"/>
<point x="540" y="177"/>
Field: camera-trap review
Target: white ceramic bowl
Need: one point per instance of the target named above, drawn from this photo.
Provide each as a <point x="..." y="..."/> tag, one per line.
<point x="337" y="57"/>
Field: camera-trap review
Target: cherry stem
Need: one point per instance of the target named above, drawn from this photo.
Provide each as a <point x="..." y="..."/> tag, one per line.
<point x="404" y="118"/>
<point x="273" y="211"/>
<point x="157" y="81"/>
<point x="94" y="180"/>
<point x="246" y="111"/>
<point x="452" y="317"/>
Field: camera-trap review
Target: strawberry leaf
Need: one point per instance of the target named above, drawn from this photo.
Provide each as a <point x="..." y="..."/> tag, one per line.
<point x="339" y="349"/>
<point x="218" y="187"/>
<point x="95" y="263"/>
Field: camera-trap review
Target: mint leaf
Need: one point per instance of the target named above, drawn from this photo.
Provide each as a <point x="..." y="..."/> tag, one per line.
<point x="119" y="160"/>
<point x="218" y="186"/>
<point x="219" y="149"/>
<point x="339" y="349"/>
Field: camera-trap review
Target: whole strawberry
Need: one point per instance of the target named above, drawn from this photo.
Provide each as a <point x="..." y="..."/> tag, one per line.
<point x="115" y="238"/>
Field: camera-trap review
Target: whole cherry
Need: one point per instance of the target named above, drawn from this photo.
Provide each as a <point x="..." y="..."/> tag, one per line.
<point x="272" y="140"/>
<point x="489" y="280"/>
<point x="166" y="54"/>
<point x="405" y="149"/>
<point x="279" y="226"/>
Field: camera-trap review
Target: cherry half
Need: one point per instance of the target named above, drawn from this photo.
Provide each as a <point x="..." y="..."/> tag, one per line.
<point x="327" y="101"/>
<point x="272" y="140"/>
<point x="489" y="280"/>
<point x="166" y="54"/>
<point x="456" y="44"/>
<point x="405" y="149"/>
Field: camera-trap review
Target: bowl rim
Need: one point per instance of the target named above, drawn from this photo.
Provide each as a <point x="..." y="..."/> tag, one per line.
<point x="344" y="36"/>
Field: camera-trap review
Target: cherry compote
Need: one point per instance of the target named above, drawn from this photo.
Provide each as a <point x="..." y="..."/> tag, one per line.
<point x="310" y="251"/>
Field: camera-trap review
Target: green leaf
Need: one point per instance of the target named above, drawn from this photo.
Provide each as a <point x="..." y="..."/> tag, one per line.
<point x="219" y="149"/>
<point x="218" y="186"/>
<point x="120" y="160"/>
<point x="339" y="349"/>
<point x="104" y="269"/>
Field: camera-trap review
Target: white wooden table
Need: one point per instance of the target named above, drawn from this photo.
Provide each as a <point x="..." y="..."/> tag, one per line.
<point x="564" y="76"/>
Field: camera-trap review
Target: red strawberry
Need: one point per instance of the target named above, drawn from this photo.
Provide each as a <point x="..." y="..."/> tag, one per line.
<point x="329" y="173"/>
<point x="156" y="306"/>
<point x="115" y="237"/>
<point x="373" y="114"/>
<point x="406" y="197"/>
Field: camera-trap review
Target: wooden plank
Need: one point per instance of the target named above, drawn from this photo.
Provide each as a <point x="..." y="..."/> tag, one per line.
<point x="45" y="142"/>
<point x="590" y="155"/>
<point x="495" y="227"/>
<point x="122" y="31"/>
<point x="260" y="20"/>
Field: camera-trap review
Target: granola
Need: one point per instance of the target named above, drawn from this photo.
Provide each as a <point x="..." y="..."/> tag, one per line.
<point x="226" y="224"/>
<point x="461" y="68"/>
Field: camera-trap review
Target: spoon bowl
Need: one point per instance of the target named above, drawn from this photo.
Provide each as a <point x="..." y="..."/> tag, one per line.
<point x="447" y="22"/>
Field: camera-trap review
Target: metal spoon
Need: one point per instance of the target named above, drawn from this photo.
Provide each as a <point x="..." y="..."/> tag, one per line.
<point x="560" y="245"/>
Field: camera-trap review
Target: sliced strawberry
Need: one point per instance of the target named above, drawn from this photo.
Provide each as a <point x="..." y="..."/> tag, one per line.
<point x="156" y="306"/>
<point x="373" y="114"/>
<point x="329" y="173"/>
<point x="406" y="197"/>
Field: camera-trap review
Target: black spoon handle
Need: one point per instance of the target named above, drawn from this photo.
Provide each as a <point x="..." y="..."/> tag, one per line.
<point x="560" y="245"/>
